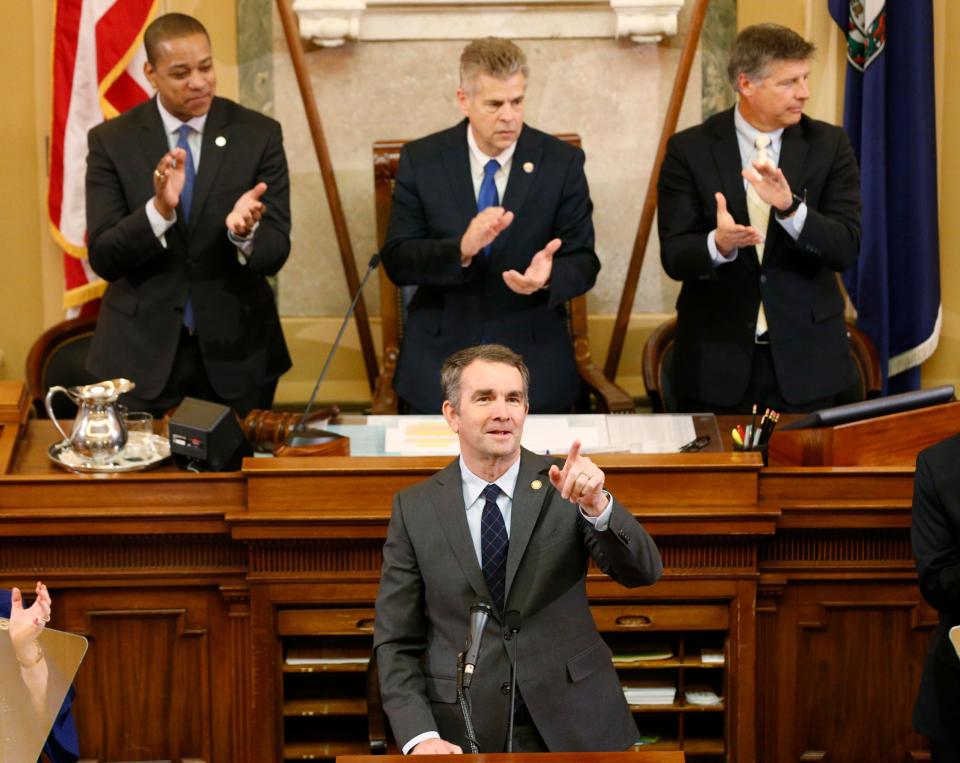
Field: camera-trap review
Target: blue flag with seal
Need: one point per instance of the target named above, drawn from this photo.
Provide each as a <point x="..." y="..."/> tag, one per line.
<point x="890" y="118"/>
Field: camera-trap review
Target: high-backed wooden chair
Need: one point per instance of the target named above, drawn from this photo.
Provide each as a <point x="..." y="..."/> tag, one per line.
<point x="609" y="397"/>
<point x="59" y="356"/>
<point x="658" y="357"/>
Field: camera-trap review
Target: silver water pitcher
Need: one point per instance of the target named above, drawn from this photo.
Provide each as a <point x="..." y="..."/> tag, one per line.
<point x="99" y="431"/>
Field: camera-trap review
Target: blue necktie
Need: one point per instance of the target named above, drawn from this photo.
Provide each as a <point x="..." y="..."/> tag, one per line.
<point x="190" y="173"/>
<point x="186" y="199"/>
<point x="488" y="196"/>
<point x="493" y="545"/>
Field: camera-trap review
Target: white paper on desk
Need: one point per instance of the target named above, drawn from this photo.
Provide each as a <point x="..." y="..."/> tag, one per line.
<point x="654" y="433"/>
<point x="555" y="434"/>
<point x="421" y="436"/>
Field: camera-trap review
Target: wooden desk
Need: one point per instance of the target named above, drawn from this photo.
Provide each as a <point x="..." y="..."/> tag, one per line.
<point x="554" y="757"/>
<point x="193" y="588"/>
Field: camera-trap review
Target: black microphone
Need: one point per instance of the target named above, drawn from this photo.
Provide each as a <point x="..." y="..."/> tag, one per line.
<point x="511" y="628"/>
<point x="479" y="614"/>
<point x="296" y="439"/>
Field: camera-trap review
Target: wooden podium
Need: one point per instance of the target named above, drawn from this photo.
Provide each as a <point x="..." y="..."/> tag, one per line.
<point x="799" y="579"/>
<point x="652" y="756"/>
<point x="892" y="440"/>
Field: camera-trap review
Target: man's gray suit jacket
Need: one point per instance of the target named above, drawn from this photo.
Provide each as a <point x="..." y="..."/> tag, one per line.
<point x="431" y="578"/>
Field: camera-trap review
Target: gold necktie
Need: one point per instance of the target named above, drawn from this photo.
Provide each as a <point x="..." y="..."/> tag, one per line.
<point x="759" y="212"/>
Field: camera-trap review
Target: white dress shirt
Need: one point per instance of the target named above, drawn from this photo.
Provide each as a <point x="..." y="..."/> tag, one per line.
<point x="478" y="160"/>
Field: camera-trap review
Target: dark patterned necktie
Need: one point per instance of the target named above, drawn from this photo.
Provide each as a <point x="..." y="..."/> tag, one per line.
<point x="493" y="545"/>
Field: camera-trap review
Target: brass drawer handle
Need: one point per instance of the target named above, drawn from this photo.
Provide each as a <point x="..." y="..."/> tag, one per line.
<point x="366" y="624"/>
<point x="634" y="621"/>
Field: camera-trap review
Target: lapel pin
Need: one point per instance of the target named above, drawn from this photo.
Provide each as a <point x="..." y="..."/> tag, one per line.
<point x="220" y="141"/>
<point x="536" y="484"/>
<point x="528" y="167"/>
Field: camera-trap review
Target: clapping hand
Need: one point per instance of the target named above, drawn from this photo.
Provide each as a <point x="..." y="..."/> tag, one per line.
<point x="730" y="235"/>
<point x="537" y="274"/>
<point x="27" y="624"/>
<point x="247" y="211"/>
<point x="168" y="179"/>
<point x="483" y="229"/>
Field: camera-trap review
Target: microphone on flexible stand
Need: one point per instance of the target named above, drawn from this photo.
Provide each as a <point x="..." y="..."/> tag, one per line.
<point x="298" y="438"/>
<point x="511" y="629"/>
<point x="467" y="664"/>
<point x="479" y="614"/>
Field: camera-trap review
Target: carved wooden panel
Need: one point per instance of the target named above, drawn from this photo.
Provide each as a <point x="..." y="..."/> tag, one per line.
<point x="852" y="547"/>
<point x="838" y="652"/>
<point x="143" y="554"/>
<point x="699" y="552"/>
<point x="159" y="674"/>
<point x="316" y="557"/>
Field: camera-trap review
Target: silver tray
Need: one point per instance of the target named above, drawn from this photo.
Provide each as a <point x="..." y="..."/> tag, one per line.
<point x="64" y="456"/>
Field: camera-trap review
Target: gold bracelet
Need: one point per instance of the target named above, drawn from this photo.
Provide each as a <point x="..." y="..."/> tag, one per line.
<point x="35" y="660"/>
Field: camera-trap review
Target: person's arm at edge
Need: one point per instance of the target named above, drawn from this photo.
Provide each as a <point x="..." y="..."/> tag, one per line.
<point x="935" y="551"/>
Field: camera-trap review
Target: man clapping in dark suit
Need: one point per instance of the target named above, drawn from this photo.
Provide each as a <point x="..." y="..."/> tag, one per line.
<point x="187" y="213"/>
<point x="491" y="221"/>
<point x="504" y="525"/>
<point x="759" y="209"/>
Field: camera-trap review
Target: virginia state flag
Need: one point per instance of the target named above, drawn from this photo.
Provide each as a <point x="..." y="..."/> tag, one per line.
<point x="97" y="73"/>
<point x="889" y="116"/>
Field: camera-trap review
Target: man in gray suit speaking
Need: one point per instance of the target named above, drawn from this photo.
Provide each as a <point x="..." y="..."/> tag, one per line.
<point x="503" y="525"/>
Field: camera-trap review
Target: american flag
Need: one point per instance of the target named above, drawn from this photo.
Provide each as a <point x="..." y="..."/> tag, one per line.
<point x="98" y="61"/>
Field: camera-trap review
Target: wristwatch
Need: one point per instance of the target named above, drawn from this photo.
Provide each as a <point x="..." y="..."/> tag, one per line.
<point x="784" y="213"/>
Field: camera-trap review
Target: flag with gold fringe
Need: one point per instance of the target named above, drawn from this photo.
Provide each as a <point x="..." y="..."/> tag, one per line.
<point x="97" y="74"/>
<point x="890" y="118"/>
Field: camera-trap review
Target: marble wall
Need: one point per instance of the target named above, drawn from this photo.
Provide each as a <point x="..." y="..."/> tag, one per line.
<point x="613" y="93"/>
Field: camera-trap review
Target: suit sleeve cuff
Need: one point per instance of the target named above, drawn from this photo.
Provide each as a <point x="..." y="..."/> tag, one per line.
<point x="158" y="223"/>
<point x="602" y="522"/>
<point x="244" y="244"/>
<point x="715" y="257"/>
<point x="793" y="225"/>
<point x="418" y="739"/>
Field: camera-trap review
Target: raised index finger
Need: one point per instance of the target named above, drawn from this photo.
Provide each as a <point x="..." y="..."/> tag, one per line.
<point x="572" y="456"/>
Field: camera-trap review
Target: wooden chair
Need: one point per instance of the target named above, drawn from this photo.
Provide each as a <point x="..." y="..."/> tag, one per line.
<point x="658" y="357"/>
<point x="59" y="356"/>
<point x="609" y="397"/>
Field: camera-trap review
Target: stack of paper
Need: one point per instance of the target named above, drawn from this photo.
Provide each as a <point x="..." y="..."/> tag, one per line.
<point x="646" y="654"/>
<point x="702" y="695"/>
<point x="654" y="691"/>
<point x="320" y="656"/>
<point x="598" y="433"/>
<point x="711" y="656"/>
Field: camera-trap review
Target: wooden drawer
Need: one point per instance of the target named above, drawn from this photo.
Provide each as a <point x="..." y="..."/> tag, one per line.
<point x="628" y="618"/>
<point x="325" y="622"/>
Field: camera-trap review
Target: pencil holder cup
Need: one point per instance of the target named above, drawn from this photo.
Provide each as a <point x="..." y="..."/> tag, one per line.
<point x="763" y="450"/>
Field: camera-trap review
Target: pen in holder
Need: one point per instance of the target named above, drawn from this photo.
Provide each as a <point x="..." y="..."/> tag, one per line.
<point x="756" y="436"/>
